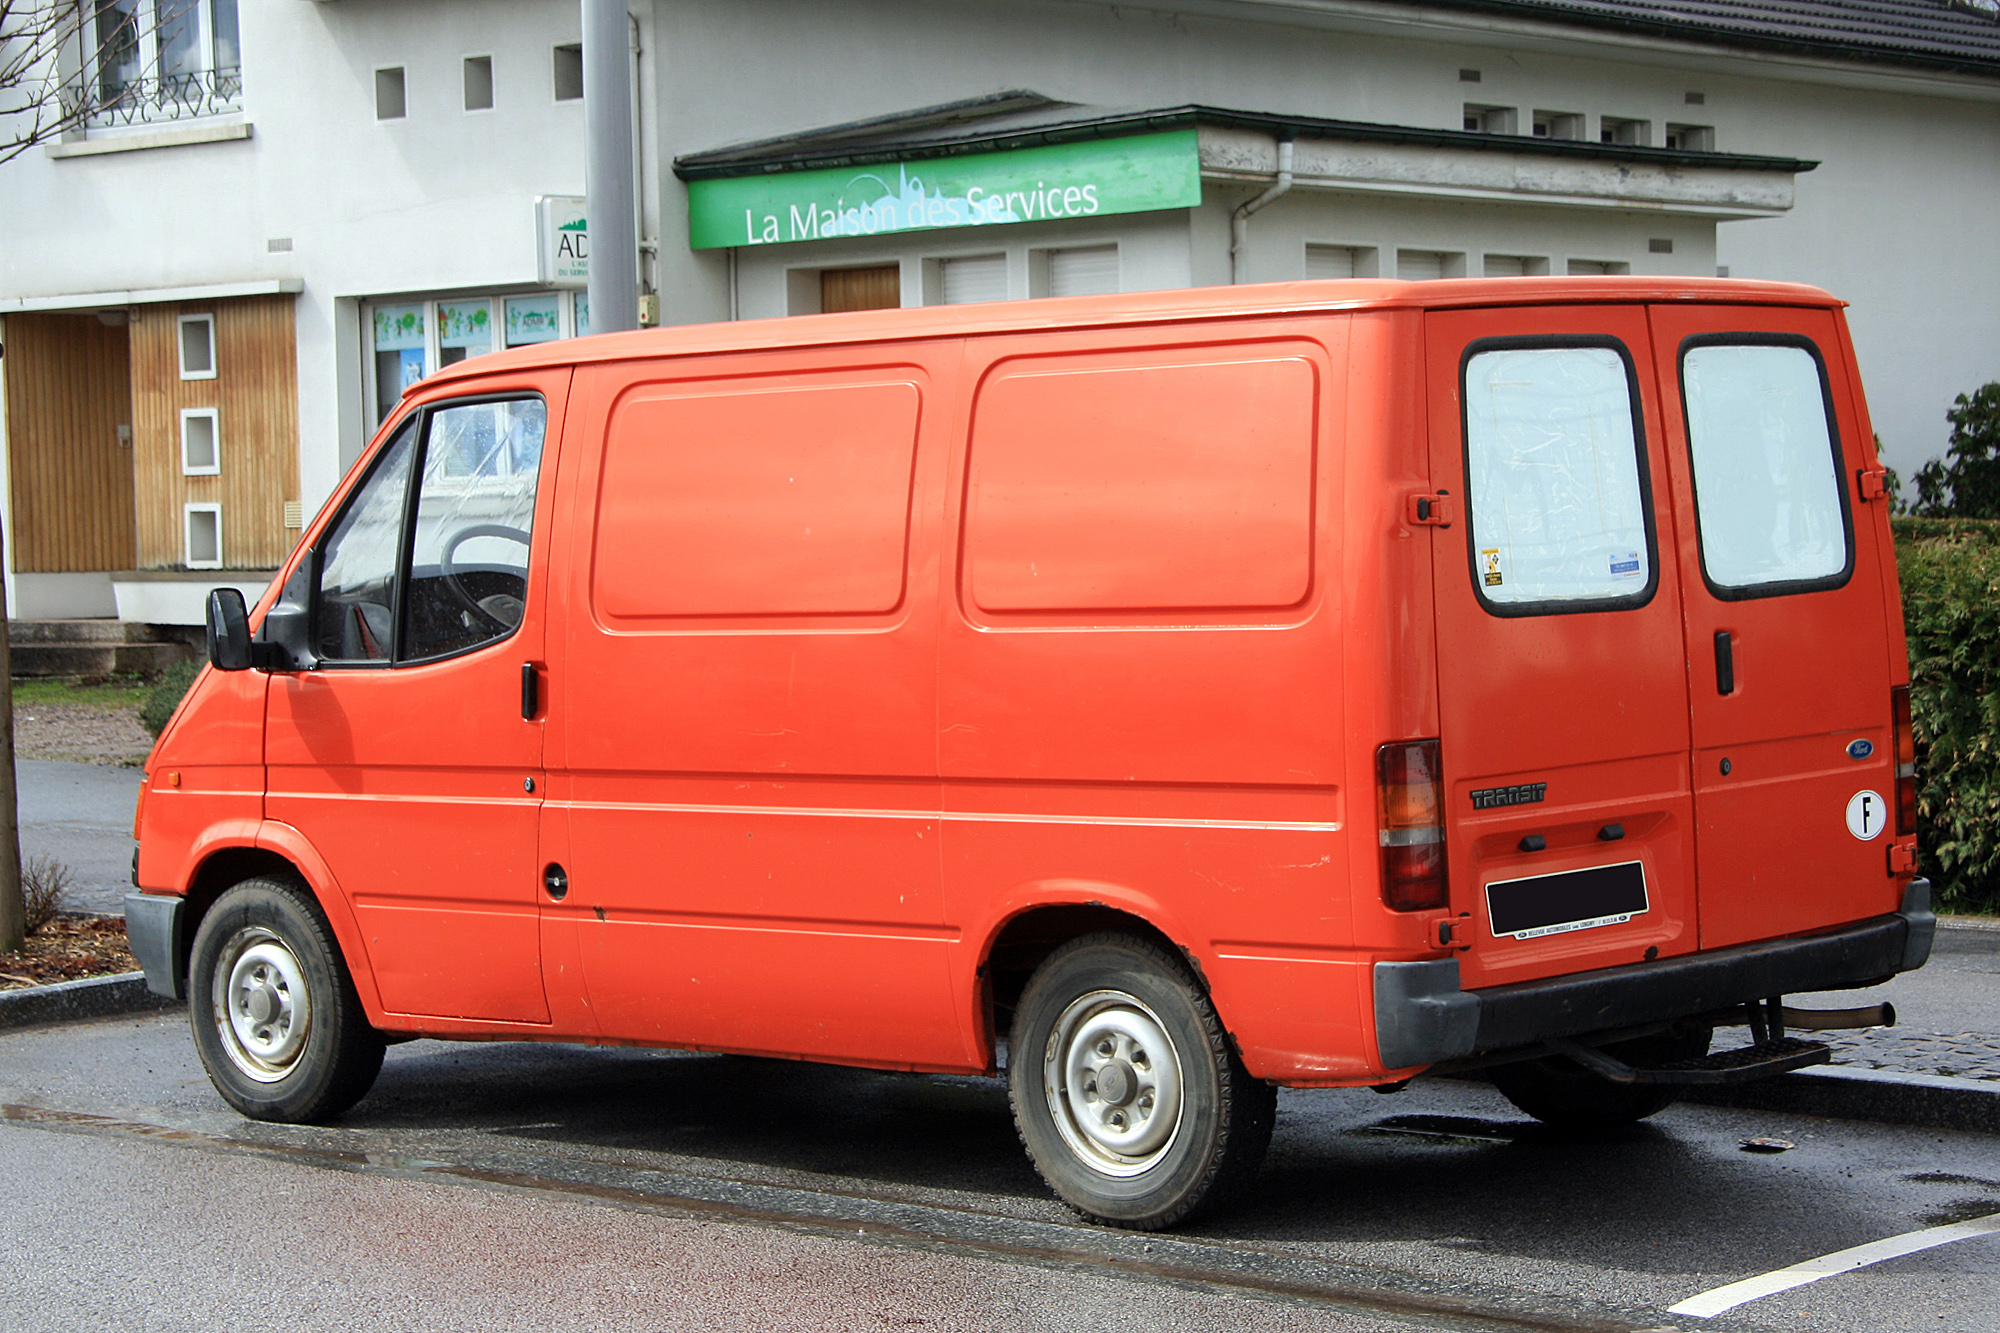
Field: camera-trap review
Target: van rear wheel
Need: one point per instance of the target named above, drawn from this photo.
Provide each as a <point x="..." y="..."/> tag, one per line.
<point x="1558" y="1091"/>
<point x="276" y="1019"/>
<point x="1127" y="1093"/>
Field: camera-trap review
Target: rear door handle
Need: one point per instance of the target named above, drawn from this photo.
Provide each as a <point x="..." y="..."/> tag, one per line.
<point x="1725" y="664"/>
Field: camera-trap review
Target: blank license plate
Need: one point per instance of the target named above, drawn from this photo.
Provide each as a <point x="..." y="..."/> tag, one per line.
<point x="1573" y="900"/>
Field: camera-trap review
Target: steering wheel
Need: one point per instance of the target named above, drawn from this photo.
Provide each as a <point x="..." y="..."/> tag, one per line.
<point x="475" y="605"/>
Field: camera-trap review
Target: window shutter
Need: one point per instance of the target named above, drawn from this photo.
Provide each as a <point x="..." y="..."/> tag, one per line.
<point x="1083" y="271"/>
<point x="975" y="278"/>
<point x="1329" y="261"/>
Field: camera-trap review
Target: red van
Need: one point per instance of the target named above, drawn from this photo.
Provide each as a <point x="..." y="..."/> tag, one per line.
<point x="1167" y="697"/>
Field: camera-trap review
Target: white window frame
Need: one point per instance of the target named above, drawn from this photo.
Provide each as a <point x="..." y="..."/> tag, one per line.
<point x="221" y="86"/>
<point x="214" y="468"/>
<point x="180" y="346"/>
<point x="188" y="511"/>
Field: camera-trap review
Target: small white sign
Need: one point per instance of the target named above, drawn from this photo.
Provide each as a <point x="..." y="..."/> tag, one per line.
<point x="563" y="236"/>
<point x="1867" y="815"/>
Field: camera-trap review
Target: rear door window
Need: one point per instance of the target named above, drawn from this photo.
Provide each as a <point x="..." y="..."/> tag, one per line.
<point x="1559" y="496"/>
<point x="1771" y="511"/>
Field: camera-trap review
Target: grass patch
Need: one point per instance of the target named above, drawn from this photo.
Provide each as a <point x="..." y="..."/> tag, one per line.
<point x="114" y="692"/>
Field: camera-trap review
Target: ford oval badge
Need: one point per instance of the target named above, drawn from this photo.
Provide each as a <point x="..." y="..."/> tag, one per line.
<point x="1860" y="749"/>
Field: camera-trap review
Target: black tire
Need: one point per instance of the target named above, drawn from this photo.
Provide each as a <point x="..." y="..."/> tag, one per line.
<point x="276" y="1020"/>
<point x="1132" y="994"/>
<point x="1558" y="1091"/>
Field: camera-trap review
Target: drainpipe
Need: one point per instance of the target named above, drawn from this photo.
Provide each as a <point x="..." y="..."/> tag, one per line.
<point x="1239" y="224"/>
<point x="607" y="167"/>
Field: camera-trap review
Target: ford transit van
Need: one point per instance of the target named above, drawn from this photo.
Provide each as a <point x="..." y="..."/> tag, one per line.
<point x="1164" y="698"/>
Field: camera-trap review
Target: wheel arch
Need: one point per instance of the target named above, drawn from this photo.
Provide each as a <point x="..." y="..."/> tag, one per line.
<point x="279" y="852"/>
<point x="1020" y="943"/>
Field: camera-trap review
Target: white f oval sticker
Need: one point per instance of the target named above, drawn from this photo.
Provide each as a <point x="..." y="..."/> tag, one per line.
<point x="1866" y="815"/>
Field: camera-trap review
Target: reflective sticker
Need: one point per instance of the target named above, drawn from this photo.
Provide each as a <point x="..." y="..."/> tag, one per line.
<point x="1860" y="749"/>
<point x="1489" y="566"/>
<point x="1867" y="815"/>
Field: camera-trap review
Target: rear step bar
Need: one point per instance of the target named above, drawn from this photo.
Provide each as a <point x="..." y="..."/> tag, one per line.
<point x="1772" y="1056"/>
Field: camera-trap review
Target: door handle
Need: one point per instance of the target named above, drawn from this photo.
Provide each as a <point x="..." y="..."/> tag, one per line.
<point x="1725" y="664"/>
<point x="531" y="691"/>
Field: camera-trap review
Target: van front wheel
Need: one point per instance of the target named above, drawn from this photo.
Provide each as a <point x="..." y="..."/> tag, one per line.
<point x="276" y="1020"/>
<point x="1127" y="1094"/>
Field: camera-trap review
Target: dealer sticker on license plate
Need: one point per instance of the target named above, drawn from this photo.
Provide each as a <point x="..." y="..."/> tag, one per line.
<point x="1526" y="909"/>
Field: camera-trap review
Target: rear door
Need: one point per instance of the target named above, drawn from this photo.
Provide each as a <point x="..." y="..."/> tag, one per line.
<point x="1562" y="682"/>
<point x="1787" y="621"/>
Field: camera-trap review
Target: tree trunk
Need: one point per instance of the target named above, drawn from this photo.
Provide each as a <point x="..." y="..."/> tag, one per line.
<point x="13" y="909"/>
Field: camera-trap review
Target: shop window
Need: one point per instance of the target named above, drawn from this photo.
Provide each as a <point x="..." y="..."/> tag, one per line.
<point x="1515" y="266"/>
<point x="581" y="303"/>
<point x="1597" y="267"/>
<point x="201" y="448"/>
<point x="202" y="533"/>
<point x="569" y="72"/>
<point x="1426" y="265"/>
<point x="1340" y="261"/>
<point x="877" y="287"/>
<point x="533" y="319"/>
<point x="1691" y="138"/>
<point x="1558" y="125"/>
<point x="197" y="339"/>
<point x="465" y="328"/>
<point x="401" y="347"/>
<point x="389" y="100"/>
<point x="1619" y="130"/>
<point x="479" y="83"/>
<point x="970" y="278"/>
<point x="1483" y="119"/>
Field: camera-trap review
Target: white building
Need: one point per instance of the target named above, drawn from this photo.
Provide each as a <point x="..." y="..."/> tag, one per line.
<point x="275" y="213"/>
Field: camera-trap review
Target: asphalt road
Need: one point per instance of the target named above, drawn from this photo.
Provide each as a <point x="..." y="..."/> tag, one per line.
<point x="81" y="815"/>
<point x="554" y="1187"/>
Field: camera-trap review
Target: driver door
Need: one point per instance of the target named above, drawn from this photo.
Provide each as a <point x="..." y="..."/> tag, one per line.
<point x="407" y="754"/>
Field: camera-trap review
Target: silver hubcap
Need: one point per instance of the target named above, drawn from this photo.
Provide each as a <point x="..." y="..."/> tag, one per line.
<point x="1114" y="1083"/>
<point x="262" y="1008"/>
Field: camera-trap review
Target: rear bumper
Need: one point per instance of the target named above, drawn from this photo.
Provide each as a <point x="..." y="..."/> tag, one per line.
<point x="1423" y="1018"/>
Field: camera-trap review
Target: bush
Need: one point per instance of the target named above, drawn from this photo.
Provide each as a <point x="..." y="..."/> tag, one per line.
<point x="166" y="696"/>
<point x="44" y="885"/>
<point x="1968" y="485"/>
<point x="1950" y="572"/>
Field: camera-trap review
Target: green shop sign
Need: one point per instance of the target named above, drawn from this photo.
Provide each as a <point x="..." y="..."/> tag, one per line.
<point x="1077" y="180"/>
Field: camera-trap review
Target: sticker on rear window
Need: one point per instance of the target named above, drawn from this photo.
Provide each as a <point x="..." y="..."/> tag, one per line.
<point x="1489" y="566"/>
<point x="1625" y="565"/>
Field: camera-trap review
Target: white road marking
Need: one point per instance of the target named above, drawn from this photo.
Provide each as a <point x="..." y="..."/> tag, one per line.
<point x="1712" y="1303"/>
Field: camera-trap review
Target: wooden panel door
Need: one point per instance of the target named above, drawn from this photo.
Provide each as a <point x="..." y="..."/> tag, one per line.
<point x="69" y="396"/>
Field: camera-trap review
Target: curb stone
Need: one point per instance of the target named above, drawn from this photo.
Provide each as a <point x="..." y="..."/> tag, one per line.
<point x="96" y="997"/>
<point x="1848" y="1092"/>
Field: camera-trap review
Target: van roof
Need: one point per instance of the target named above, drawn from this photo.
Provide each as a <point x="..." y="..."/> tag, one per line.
<point x="864" y="326"/>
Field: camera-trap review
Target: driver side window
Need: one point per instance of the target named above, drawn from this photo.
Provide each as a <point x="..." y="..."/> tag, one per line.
<point x="408" y="578"/>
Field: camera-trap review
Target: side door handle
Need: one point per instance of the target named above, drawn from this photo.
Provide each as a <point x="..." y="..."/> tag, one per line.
<point x="531" y="691"/>
<point x="1725" y="664"/>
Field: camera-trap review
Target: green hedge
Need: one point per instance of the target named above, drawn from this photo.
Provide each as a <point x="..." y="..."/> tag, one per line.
<point x="1951" y="607"/>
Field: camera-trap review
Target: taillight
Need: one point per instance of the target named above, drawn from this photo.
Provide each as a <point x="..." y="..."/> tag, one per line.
<point x="1906" y="762"/>
<point x="1410" y="787"/>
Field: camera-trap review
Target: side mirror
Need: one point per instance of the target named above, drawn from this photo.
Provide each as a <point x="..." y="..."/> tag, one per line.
<point x="228" y="630"/>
